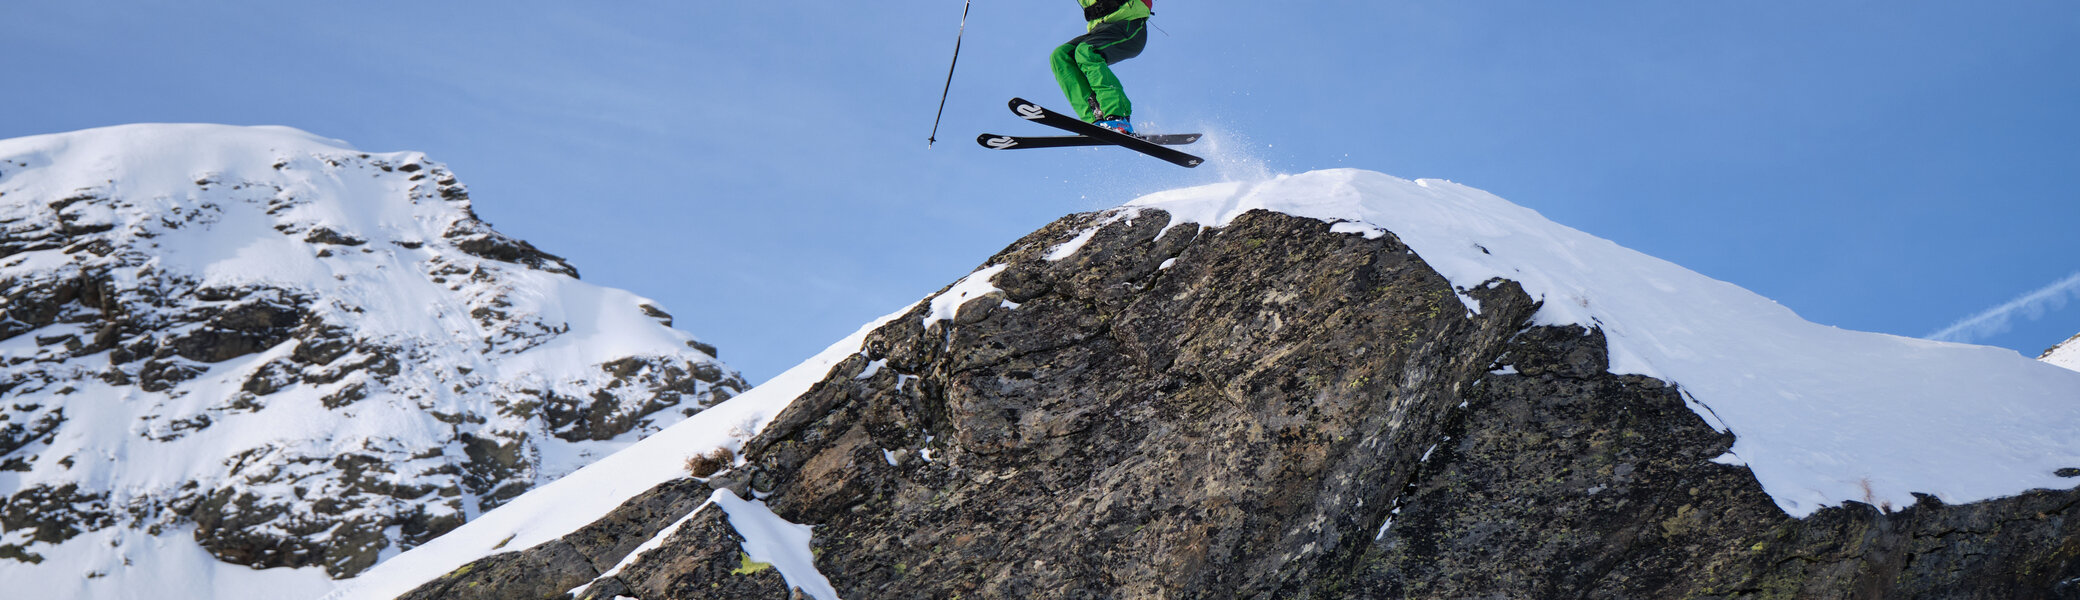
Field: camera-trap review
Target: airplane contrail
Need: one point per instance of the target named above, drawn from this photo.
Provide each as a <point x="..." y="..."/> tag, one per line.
<point x="1994" y="321"/>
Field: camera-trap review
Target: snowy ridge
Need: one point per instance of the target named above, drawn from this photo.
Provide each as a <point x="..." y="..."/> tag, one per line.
<point x="291" y="352"/>
<point x="2065" y="354"/>
<point x="563" y="506"/>
<point x="1822" y="415"/>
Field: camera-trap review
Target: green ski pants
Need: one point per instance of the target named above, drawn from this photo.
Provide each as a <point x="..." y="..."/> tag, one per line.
<point x="1083" y="68"/>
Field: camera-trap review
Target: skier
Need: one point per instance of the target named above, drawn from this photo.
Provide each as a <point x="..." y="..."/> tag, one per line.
<point x="1117" y="31"/>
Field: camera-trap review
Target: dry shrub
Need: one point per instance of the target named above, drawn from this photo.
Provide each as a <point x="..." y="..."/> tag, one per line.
<point x="703" y="465"/>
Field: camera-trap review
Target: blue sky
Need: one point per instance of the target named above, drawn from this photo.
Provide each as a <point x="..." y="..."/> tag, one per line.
<point x="761" y="168"/>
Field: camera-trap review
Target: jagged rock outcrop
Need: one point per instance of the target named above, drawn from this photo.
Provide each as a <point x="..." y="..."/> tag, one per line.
<point x="298" y="354"/>
<point x="1274" y="408"/>
<point x="1563" y="481"/>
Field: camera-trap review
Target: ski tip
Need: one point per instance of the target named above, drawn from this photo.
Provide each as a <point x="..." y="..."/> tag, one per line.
<point x="1027" y="110"/>
<point x="996" y="142"/>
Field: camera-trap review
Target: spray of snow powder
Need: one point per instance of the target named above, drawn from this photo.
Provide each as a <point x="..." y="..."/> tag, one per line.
<point x="1234" y="157"/>
<point x="1231" y="157"/>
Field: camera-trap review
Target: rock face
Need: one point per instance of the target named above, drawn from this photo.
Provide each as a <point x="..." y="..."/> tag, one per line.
<point x="1268" y="409"/>
<point x="300" y="354"/>
<point x="1563" y="481"/>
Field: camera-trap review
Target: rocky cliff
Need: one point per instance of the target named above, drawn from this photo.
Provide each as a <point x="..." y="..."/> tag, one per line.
<point x="1130" y="405"/>
<point x="293" y="353"/>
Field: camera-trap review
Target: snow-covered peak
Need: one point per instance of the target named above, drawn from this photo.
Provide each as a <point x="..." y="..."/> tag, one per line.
<point x="162" y="157"/>
<point x="1822" y="415"/>
<point x="292" y="352"/>
<point x="2065" y="354"/>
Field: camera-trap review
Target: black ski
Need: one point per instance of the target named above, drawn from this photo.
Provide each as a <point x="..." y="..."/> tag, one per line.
<point x="1013" y="142"/>
<point x="1039" y="114"/>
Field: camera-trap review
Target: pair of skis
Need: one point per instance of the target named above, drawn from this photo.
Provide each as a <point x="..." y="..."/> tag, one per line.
<point x="1088" y="135"/>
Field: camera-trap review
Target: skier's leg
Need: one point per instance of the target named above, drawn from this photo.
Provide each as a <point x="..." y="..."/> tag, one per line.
<point x="1112" y="97"/>
<point x="1108" y="44"/>
<point x="1069" y="74"/>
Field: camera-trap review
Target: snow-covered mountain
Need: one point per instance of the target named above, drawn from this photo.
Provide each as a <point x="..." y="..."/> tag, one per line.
<point x="1326" y="380"/>
<point x="2065" y="354"/>
<point x="227" y="348"/>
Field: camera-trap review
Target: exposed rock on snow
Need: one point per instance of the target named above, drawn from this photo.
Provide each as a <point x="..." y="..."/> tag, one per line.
<point x="1346" y="385"/>
<point x="307" y="355"/>
<point x="2066" y="354"/>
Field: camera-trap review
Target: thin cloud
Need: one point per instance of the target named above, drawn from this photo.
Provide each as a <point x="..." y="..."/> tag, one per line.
<point x="1995" y="321"/>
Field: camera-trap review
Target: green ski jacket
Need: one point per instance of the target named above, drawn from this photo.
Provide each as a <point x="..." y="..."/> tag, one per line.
<point x="1128" y="11"/>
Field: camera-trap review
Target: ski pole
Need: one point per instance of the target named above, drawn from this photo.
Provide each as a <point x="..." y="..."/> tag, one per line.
<point x="949" y="74"/>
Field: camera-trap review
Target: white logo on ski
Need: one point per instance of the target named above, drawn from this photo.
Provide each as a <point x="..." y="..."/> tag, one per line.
<point x="1031" y="111"/>
<point x="1001" y="142"/>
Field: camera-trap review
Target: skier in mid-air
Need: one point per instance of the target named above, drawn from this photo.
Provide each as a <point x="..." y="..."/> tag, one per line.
<point x="1118" y="30"/>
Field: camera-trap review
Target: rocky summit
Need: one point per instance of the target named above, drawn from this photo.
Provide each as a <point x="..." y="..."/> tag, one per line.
<point x="1256" y="402"/>
<point x="225" y="349"/>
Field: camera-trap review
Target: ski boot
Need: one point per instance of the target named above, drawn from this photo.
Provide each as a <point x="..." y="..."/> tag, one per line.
<point x="1119" y="124"/>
